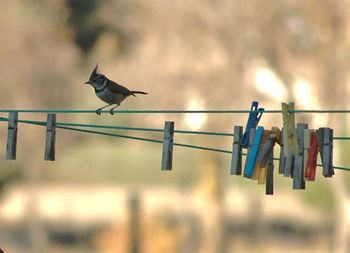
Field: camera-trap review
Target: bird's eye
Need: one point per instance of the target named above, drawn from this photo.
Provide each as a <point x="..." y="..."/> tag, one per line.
<point x="97" y="77"/>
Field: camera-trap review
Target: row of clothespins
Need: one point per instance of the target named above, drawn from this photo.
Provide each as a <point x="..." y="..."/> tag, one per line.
<point x="11" y="147"/>
<point x="299" y="147"/>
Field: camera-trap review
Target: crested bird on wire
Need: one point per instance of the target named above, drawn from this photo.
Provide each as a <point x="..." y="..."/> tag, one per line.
<point x="108" y="91"/>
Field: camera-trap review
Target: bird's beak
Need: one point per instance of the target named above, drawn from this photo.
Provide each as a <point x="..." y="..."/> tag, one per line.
<point x="87" y="82"/>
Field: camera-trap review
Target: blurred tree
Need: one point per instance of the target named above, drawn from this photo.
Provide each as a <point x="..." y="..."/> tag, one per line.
<point x="82" y="18"/>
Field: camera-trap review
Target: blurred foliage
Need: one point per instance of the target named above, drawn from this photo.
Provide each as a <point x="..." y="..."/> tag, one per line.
<point x="82" y="18"/>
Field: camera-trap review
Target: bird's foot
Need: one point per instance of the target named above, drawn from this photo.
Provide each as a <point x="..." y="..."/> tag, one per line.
<point x="98" y="111"/>
<point x="111" y="111"/>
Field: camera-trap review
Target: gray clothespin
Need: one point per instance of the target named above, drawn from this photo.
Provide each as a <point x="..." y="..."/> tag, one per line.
<point x="269" y="176"/>
<point x="266" y="149"/>
<point x="50" y="138"/>
<point x="325" y="140"/>
<point x="282" y="159"/>
<point x="167" y="154"/>
<point x="12" y="136"/>
<point x="298" y="173"/>
<point x="236" y="161"/>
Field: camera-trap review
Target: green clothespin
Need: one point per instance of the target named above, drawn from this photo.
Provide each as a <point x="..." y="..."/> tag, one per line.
<point x="289" y="138"/>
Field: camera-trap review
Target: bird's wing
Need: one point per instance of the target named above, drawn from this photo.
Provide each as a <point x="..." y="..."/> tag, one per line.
<point x="117" y="88"/>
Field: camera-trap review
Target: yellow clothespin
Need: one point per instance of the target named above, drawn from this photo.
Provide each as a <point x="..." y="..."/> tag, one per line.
<point x="289" y="138"/>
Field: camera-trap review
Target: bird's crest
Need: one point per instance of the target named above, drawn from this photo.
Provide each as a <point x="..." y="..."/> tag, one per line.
<point x="94" y="72"/>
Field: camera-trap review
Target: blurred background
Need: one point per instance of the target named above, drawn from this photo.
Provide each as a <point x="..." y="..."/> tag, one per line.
<point x="105" y="195"/>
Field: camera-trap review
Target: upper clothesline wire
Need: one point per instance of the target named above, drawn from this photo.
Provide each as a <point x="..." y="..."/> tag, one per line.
<point x="163" y="111"/>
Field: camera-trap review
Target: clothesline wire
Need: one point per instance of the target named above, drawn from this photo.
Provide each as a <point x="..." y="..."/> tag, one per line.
<point x="145" y="129"/>
<point x="163" y="111"/>
<point x="42" y="123"/>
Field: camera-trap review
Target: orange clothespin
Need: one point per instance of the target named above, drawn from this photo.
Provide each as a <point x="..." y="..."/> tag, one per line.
<point x="266" y="152"/>
<point x="257" y="166"/>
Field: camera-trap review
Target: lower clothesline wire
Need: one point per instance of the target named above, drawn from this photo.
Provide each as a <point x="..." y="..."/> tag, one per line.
<point x="42" y="123"/>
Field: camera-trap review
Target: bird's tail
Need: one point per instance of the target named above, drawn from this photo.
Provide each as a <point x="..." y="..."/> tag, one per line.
<point x="133" y="92"/>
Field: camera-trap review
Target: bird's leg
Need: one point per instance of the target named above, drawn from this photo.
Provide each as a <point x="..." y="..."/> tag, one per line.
<point x="111" y="110"/>
<point x="98" y="111"/>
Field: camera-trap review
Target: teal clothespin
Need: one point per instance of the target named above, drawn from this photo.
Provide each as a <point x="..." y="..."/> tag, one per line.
<point x="253" y="120"/>
<point x="251" y="141"/>
<point x="236" y="161"/>
<point x="251" y="156"/>
<point x="289" y="138"/>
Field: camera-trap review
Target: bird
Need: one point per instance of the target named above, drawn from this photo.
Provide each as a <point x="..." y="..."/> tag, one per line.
<point x="109" y="91"/>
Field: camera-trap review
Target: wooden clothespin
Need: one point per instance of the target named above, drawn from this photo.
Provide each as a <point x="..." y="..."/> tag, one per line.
<point x="289" y="138"/>
<point x="269" y="178"/>
<point x="311" y="148"/>
<point x="257" y="167"/>
<point x="167" y="154"/>
<point x="266" y="151"/>
<point x="251" y="141"/>
<point x="253" y="120"/>
<point x="236" y="161"/>
<point x="307" y="139"/>
<point x="11" y="146"/>
<point x="50" y="138"/>
<point x="298" y="173"/>
<point x="325" y="141"/>
<point x="253" y="152"/>
<point x="281" y="162"/>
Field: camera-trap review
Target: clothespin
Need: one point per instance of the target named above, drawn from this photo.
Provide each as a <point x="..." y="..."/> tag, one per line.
<point x="307" y="140"/>
<point x="325" y="141"/>
<point x="257" y="167"/>
<point x="251" y="141"/>
<point x="236" y="161"/>
<point x="251" y="156"/>
<point x="298" y="174"/>
<point x="12" y="136"/>
<point x="310" y="141"/>
<point x="266" y="151"/>
<point x="281" y="163"/>
<point x="269" y="178"/>
<point x="167" y="154"/>
<point x="253" y="120"/>
<point x="50" y="138"/>
<point x="289" y="138"/>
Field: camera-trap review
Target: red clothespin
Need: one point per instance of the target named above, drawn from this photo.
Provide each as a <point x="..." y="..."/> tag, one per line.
<point x="310" y="171"/>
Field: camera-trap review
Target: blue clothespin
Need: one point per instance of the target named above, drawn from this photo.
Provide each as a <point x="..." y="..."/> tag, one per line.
<point x="253" y="153"/>
<point x="253" y="120"/>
